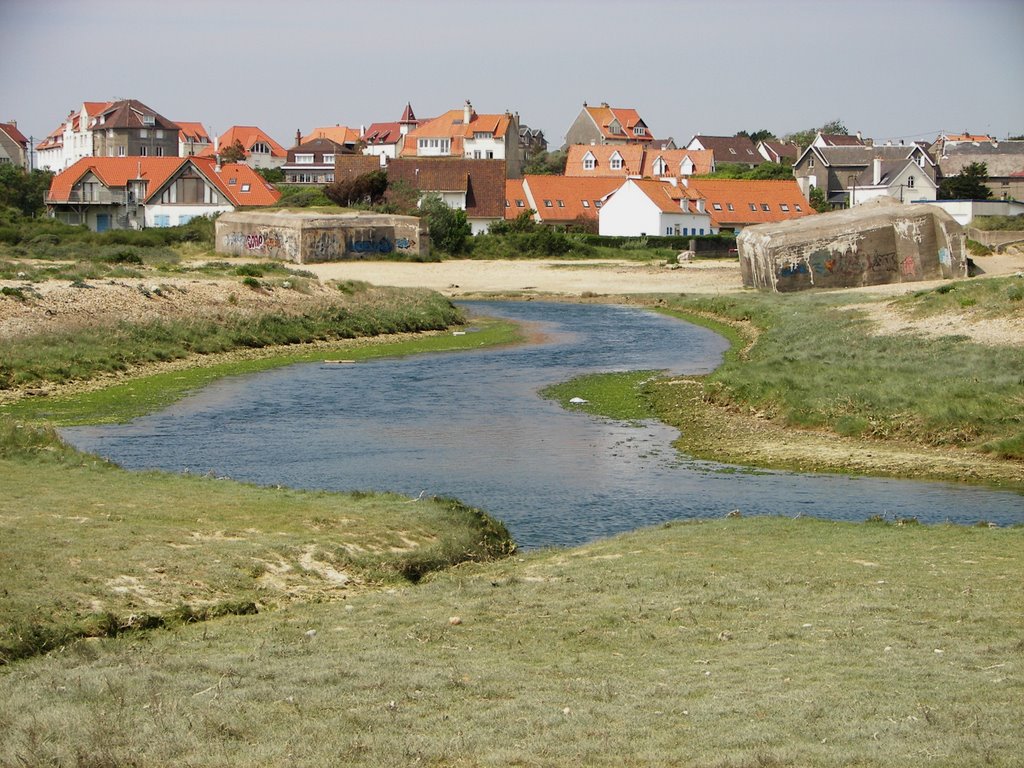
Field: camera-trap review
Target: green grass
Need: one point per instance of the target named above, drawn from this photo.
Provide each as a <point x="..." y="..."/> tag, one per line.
<point x="995" y="297"/>
<point x="732" y="643"/>
<point x="87" y="549"/>
<point x="816" y="365"/>
<point x="613" y="395"/>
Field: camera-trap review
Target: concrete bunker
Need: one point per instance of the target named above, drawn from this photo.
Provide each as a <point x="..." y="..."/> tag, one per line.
<point x="879" y="242"/>
<point x="305" y="237"/>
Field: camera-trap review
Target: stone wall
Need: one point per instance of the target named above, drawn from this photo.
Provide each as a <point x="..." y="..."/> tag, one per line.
<point x="312" y="237"/>
<point x="879" y="242"/>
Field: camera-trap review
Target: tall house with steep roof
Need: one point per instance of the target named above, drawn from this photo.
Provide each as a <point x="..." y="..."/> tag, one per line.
<point x="467" y="135"/>
<point x="607" y="125"/>
<point x="14" y="147"/>
<point x="129" y="128"/>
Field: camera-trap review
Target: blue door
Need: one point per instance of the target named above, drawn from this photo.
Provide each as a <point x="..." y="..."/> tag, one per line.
<point x="102" y="222"/>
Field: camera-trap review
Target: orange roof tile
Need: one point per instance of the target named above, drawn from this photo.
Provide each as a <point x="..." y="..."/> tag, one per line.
<point x="632" y="160"/>
<point x="249" y="135"/>
<point x="242" y="185"/>
<point x="192" y="131"/>
<point x="339" y="134"/>
<point x="515" y="198"/>
<point x="783" y="200"/>
<point x="603" y="116"/>
<point x="570" y="196"/>
<point x="703" y="161"/>
<point x="667" y="196"/>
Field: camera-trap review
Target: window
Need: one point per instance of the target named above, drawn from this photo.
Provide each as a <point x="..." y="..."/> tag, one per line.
<point x="329" y="159"/>
<point x="476" y="154"/>
<point x="732" y="151"/>
<point x="729" y="206"/>
<point x="597" y="203"/>
<point x="810" y="161"/>
<point x="232" y="181"/>
<point x="490" y="155"/>
<point x="765" y="207"/>
<point x="589" y="162"/>
<point x="184" y="219"/>
<point x="668" y="230"/>
<point x="159" y="151"/>
<point x="508" y="204"/>
<point x="797" y="206"/>
<point x="148" y="120"/>
<point x="615" y="162"/>
<point x="561" y="203"/>
<point x="245" y="187"/>
<point x="717" y="206"/>
<point x="262" y="148"/>
<point x="910" y="182"/>
<point x="638" y="130"/>
<point x="586" y="203"/>
<point x="143" y="133"/>
<point x="547" y="204"/>
<point x="159" y="133"/>
<point x="753" y="206"/>
<point x="520" y="204"/>
<point x="784" y="207"/>
<point x="304" y="159"/>
<point x="162" y="221"/>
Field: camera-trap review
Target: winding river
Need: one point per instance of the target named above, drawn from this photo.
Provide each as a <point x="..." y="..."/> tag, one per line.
<point x="472" y="426"/>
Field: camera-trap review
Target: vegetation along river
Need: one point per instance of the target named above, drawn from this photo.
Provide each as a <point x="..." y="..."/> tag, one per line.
<point x="472" y="426"/>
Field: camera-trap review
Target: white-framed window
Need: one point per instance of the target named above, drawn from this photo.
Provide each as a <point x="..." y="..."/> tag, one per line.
<point x="783" y="206"/>
<point x="597" y="203"/>
<point x="660" y="166"/>
<point x="520" y="204"/>
<point x="615" y="162"/>
<point x="729" y="206"/>
<point x="589" y="162"/>
<point x="260" y="148"/>
<point x="476" y="154"/>
<point x="159" y="133"/>
<point x="245" y="187"/>
<point x="143" y="133"/>
<point x="561" y="203"/>
<point x="148" y="120"/>
<point x="508" y="204"/>
<point x="717" y="206"/>
<point x="765" y="207"/>
<point x="304" y="159"/>
<point x="668" y="230"/>
<point x="797" y="206"/>
<point x="732" y="151"/>
<point x="159" y="151"/>
<point x="753" y="206"/>
<point x="329" y="159"/>
<point x="483" y="135"/>
<point x="490" y="154"/>
<point x="586" y="203"/>
<point x="910" y="182"/>
<point x="638" y="130"/>
<point x="810" y="161"/>
<point x="547" y="204"/>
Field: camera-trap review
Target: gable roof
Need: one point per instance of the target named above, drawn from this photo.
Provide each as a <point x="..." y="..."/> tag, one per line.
<point x="665" y="195"/>
<point x="482" y="181"/>
<point x="15" y="135"/>
<point x="130" y="113"/>
<point x="382" y="133"/>
<point x="605" y="117"/>
<point x="249" y="135"/>
<point x="861" y="155"/>
<point x="566" y="195"/>
<point x="741" y="193"/>
<point x="116" y="172"/>
<point x="703" y="160"/>
<point x="339" y="134"/>
<point x="194" y="132"/>
<point x="779" y="149"/>
<point x="1004" y="158"/>
<point x="453" y="125"/>
<point x="889" y="171"/>
<point x="632" y="160"/>
<point x="729" y="149"/>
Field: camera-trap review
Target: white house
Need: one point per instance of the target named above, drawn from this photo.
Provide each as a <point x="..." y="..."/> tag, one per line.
<point x="647" y="207"/>
<point x="904" y="180"/>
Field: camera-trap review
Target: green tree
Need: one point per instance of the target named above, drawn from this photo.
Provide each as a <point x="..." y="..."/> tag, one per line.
<point x="969" y="184"/>
<point x="762" y="171"/>
<point x="543" y="163"/>
<point x="756" y="136"/>
<point x="271" y="175"/>
<point x="234" y="153"/>
<point x="23" y="190"/>
<point x="367" y="189"/>
<point x="804" y="138"/>
<point x="449" y="227"/>
<point x="817" y="200"/>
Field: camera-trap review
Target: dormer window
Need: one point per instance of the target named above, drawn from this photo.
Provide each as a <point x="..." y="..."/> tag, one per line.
<point x="638" y="130"/>
<point x="589" y="161"/>
<point x="660" y="166"/>
<point x="148" y="120"/>
<point x="615" y="162"/>
<point x="729" y="206"/>
<point x="232" y="181"/>
<point x="304" y="159"/>
<point x="262" y="148"/>
<point x="483" y="135"/>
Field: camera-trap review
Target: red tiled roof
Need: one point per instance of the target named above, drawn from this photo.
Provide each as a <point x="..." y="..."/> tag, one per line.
<point x="703" y="161"/>
<point x="515" y="198"/>
<point x="192" y="132"/>
<point x="667" y="196"/>
<point x="452" y="125"/>
<point x="843" y="140"/>
<point x="603" y="116"/>
<point x="12" y="130"/>
<point x="249" y="135"/>
<point x="483" y="181"/>
<point x="339" y="134"/>
<point x="632" y="160"/>
<point x="741" y="194"/>
<point x="567" y="195"/>
<point x="382" y="133"/>
<point x="116" y="172"/>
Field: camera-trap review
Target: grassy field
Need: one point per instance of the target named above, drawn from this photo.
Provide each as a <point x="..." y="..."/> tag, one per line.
<point x="746" y="642"/>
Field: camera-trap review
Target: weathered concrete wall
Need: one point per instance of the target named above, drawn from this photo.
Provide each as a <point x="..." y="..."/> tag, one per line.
<point x="995" y="238"/>
<point x="312" y="237"/>
<point x="879" y="242"/>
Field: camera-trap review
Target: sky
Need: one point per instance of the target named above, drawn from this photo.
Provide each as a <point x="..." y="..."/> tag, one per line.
<point x="899" y="69"/>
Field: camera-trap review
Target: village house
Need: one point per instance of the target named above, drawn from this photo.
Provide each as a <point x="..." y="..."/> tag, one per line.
<point x="136" y="192"/>
<point x="642" y="207"/>
<point x="734" y="204"/>
<point x="775" y="151"/>
<point x="468" y="135"/>
<point x="607" y="125"/>
<point x="839" y="140"/>
<point x="192" y="138"/>
<point x="474" y="186"/>
<point x="129" y="128"/>
<point x="260" y="151"/>
<point x="728" y="149"/>
<point x="14" y="148"/>
<point x="636" y="160"/>
<point x="312" y="160"/>
<point x="386" y="140"/>
<point x="1004" y="162"/>
<point x="838" y="170"/>
<point x="70" y="141"/>
<point x="559" y="201"/>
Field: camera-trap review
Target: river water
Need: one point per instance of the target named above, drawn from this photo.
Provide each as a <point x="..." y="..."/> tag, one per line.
<point x="471" y="425"/>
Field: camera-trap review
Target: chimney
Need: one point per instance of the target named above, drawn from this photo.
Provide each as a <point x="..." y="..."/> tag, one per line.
<point x="467" y="113"/>
<point x="877" y="171"/>
<point x="298" y="137"/>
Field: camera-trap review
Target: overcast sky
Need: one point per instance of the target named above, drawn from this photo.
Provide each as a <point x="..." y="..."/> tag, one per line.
<point x="896" y="69"/>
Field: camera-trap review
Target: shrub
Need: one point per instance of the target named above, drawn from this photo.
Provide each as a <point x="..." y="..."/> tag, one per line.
<point x="249" y="270"/>
<point x="251" y="282"/>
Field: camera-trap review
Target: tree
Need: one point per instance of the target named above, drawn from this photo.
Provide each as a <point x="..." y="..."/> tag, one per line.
<point x="804" y="138"/>
<point x="449" y="227"/>
<point x="969" y="184"/>
<point x="817" y="200"/>
<point x="756" y="136"/>
<point x="272" y="175"/>
<point x="235" y="153"/>
<point x="542" y="163"/>
<point x="368" y="189"/>
<point x="23" y="190"/>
